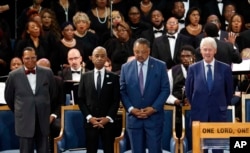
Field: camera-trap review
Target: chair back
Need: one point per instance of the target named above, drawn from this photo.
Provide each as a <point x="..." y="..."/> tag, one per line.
<point x="186" y="139"/>
<point x="8" y="139"/>
<point x="245" y="107"/>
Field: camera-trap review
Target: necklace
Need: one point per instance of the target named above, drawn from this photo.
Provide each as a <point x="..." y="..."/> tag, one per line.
<point x="147" y="5"/>
<point x="65" y="6"/>
<point x="36" y="8"/>
<point x="198" y="27"/>
<point x="69" y="43"/>
<point x="99" y="19"/>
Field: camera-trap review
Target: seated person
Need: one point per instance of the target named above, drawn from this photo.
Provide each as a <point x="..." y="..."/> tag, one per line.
<point x="15" y="63"/>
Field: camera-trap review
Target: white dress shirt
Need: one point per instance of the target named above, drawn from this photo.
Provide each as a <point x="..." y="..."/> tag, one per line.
<point x="32" y="80"/>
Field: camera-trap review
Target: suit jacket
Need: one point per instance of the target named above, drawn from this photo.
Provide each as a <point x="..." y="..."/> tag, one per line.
<point x="150" y="35"/>
<point x="161" y="49"/>
<point x="27" y="105"/>
<point x="107" y="103"/>
<point x="66" y="73"/>
<point x="225" y="53"/>
<point x="209" y="105"/>
<point x="155" y="93"/>
<point x="243" y="40"/>
<point x="223" y="35"/>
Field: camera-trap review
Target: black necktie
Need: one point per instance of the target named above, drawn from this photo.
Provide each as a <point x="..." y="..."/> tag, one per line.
<point x="78" y="72"/>
<point x="171" y="36"/>
<point x="156" y="31"/>
<point x="98" y="83"/>
<point x="30" y="71"/>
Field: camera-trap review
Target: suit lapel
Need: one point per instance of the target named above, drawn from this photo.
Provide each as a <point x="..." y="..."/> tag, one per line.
<point x="38" y="81"/>
<point x="202" y="68"/>
<point x="149" y="73"/>
<point x="26" y="81"/>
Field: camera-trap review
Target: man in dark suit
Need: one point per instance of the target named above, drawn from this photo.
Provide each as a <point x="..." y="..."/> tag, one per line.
<point x="222" y="35"/>
<point x="209" y="86"/>
<point x="55" y="115"/>
<point x="76" y="67"/>
<point x="166" y="47"/>
<point x="158" y="28"/>
<point x="243" y="40"/>
<point x="99" y="99"/>
<point x="28" y="92"/>
<point x="72" y="75"/>
<point x="144" y="89"/>
<point x="226" y="52"/>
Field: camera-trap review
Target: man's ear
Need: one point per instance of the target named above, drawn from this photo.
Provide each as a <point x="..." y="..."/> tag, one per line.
<point x="90" y="57"/>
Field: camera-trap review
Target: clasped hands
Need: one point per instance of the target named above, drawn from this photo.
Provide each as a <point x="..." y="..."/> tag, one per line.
<point x="98" y="122"/>
<point x="143" y="113"/>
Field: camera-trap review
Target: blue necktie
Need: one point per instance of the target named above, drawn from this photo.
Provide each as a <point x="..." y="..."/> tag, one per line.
<point x="140" y="76"/>
<point x="98" y="83"/>
<point x="209" y="77"/>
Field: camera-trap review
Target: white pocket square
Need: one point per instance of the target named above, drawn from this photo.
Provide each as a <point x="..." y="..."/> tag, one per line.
<point x="109" y="82"/>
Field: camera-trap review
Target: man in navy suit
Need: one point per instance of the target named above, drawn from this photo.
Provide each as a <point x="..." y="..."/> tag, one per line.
<point x="209" y="85"/>
<point x="99" y="99"/>
<point x="144" y="89"/>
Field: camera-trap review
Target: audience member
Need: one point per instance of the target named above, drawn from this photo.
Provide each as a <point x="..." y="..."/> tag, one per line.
<point x="225" y="52"/>
<point x="166" y="47"/>
<point x="63" y="46"/>
<point x="146" y="7"/>
<point x="51" y="29"/>
<point x="30" y="100"/>
<point x="120" y="48"/>
<point x="136" y="24"/>
<point x="158" y="29"/>
<point x="35" y="8"/>
<point x="76" y="68"/>
<point x="229" y="11"/>
<point x="98" y="16"/>
<point x="83" y="35"/>
<point x="33" y="36"/>
<point x="178" y="11"/>
<point x="192" y="24"/>
<point x="15" y="63"/>
<point x="144" y="88"/>
<point x="64" y="10"/>
<point x="55" y="105"/>
<point x="108" y="65"/>
<point x="243" y="40"/>
<point x="209" y="86"/>
<point x="243" y="7"/>
<point x="99" y="99"/>
<point x="177" y="76"/>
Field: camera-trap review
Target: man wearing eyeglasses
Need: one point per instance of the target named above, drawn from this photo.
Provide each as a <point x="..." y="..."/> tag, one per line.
<point x="29" y="91"/>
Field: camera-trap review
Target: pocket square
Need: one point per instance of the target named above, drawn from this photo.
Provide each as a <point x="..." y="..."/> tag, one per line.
<point x="109" y="82"/>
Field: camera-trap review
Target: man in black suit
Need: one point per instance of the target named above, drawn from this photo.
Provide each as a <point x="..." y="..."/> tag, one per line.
<point x="76" y="67"/>
<point x="222" y="35"/>
<point x="72" y="75"/>
<point x="243" y="40"/>
<point x="226" y="52"/>
<point x="166" y="47"/>
<point x="29" y="91"/>
<point x="99" y="97"/>
<point x="158" y="28"/>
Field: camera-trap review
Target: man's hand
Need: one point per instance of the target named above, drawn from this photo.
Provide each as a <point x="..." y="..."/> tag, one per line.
<point x="51" y="118"/>
<point x="95" y="122"/>
<point x="149" y="111"/>
<point x="138" y="113"/>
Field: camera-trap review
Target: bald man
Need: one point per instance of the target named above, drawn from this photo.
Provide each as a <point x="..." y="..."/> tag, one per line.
<point x="55" y="116"/>
<point x="99" y="98"/>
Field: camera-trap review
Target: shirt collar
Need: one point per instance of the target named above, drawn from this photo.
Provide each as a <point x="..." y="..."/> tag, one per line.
<point x="144" y="63"/>
<point x="102" y="70"/>
<point x="212" y="63"/>
<point x="79" y="69"/>
<point x="25" y="68"/>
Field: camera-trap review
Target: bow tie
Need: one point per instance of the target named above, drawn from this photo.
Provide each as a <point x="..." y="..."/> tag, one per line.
<point x="170" y="36"/>
<point x="30" y="71"/>
<point x="181" y="21"/>
<point x="78" y="72"/>
<point x="156" y="31"/>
